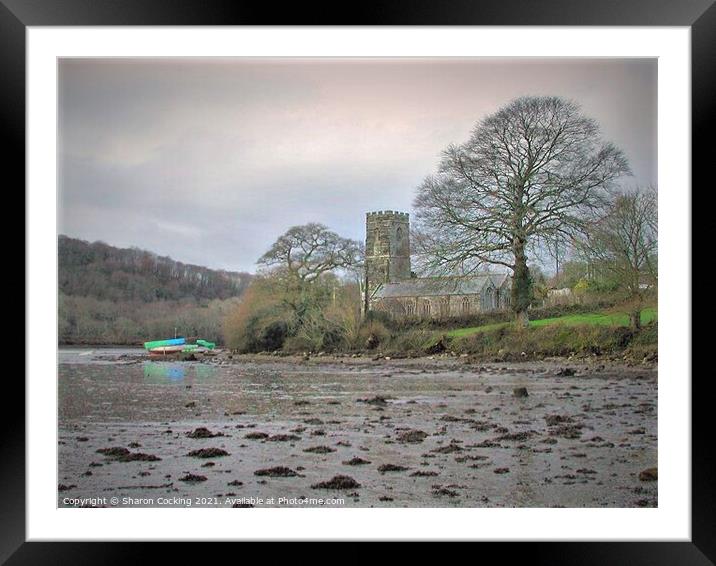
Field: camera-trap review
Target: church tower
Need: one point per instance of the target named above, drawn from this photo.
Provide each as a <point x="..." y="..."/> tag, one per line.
<point x="387" y="249"/>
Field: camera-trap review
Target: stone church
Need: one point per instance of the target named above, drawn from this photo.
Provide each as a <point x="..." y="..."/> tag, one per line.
<point x="392" y="287"/>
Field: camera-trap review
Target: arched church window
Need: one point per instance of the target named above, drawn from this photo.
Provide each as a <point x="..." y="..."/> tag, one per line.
<point x="490" y="298"/>
<point x="444" y="306"/>
<point x="401" y="241"/>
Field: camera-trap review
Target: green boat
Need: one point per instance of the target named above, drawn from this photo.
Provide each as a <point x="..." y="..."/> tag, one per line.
<point x="206" y="344"/>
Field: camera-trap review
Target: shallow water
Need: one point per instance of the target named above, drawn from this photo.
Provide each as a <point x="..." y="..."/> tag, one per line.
<point x="115" y="398"/>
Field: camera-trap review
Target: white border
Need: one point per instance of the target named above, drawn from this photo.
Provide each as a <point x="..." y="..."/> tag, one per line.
<point x="670" y="521"/>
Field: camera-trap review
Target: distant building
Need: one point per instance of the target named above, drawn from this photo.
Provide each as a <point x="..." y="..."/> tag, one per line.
<point x="563" y="296"/>
<point x="392" y="288"/>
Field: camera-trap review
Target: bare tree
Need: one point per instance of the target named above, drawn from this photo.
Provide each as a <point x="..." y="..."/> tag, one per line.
<point x="625" y="243"/>
<point x="306" y="252"/>
<point x="534" y="169"/>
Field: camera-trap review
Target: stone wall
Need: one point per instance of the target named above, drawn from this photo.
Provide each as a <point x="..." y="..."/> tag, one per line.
<point x="442" y="307"/>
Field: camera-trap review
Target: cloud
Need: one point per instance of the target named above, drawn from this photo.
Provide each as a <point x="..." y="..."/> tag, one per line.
<point x="209" y="160"/>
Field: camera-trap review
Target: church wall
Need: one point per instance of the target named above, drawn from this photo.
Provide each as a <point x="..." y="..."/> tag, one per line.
<point x="429" y="307"/>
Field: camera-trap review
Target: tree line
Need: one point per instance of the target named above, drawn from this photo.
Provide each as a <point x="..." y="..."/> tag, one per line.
<point x="109" y="295"/>
<point x="131" y="274"/>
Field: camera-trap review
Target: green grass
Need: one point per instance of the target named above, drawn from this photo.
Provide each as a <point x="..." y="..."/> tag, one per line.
<point x="603" y="318"/>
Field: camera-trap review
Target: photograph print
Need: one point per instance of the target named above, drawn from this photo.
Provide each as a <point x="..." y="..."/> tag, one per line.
<point x="357" y="282"/>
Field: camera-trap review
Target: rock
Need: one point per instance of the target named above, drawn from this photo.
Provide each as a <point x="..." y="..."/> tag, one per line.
<point x="566" y="372"/>
<point x="412" y="436"/>
<point x="520" y="392"/>
<point x="449" y="449"/>
<point x="192" y="478"/>
<point x="391" y="468"/>
<point x="203" y="432"/>
<point x="208" y="453"/>
<point x="276" y="472"/>
<point x="438" y="348"/>
<point x="569" y="431"/>
<point x="337" y="482"/>
<point x="123" y="455"/>
<point x="320" y="449"/>
<point x="114" y="452"/>
<point x="355" y="461"/>
<point x="282" y="438"/>
<point x="650" y="474"/>
<point x="553" y="420"/>
<point x="423" y="474"/>
<point x="444" y="491"/>
<point x="257" y="436"/>
<point x="516" y="436"/>
<point x="377" y="400"/>
<point x="372" y="341"/>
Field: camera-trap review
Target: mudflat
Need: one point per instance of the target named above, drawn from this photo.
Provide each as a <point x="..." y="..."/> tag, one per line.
<point x="354" y="432"/>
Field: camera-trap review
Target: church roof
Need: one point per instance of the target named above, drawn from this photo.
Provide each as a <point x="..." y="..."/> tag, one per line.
<point x="440" y="286"/>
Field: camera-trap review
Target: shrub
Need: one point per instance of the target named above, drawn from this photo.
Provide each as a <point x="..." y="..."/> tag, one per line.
<point x="645" y="343"/>
<point x="415" y="341"/>
<point x="272" y="336"/>
<point x="372" y="334"/>
<point x="298" y="344"/>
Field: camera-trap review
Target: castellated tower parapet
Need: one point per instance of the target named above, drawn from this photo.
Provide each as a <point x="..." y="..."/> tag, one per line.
<point x="387" y="248"/>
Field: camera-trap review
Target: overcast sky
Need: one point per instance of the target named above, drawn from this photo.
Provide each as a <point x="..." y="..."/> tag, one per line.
<point x="209" y="160"/>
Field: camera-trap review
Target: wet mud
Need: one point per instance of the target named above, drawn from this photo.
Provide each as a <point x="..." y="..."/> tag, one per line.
<point x="372" y="433"/>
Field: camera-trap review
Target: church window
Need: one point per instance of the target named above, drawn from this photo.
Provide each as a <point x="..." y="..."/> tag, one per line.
<point x="490" y="299"/>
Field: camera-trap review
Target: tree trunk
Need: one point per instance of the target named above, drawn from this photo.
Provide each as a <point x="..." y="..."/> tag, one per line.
<point x="635" y="319"/>
<point x="521" y="285"/>
<point x="522" y="319"/>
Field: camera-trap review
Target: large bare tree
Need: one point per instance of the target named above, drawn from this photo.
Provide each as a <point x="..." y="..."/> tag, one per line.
<point x="306" y="252"/>
<point x="535" y="169"/>
<point x="625" y="243"/>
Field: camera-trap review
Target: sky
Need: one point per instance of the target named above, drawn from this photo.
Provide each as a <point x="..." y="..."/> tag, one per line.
<point x="210" y="160"/>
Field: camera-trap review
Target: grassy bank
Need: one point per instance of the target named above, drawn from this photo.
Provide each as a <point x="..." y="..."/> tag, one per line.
<point x="648" y="316"/>
<point x="586" y="334"/>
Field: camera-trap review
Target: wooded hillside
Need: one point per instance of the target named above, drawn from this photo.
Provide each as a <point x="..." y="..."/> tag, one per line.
<point x="124" y="296"/>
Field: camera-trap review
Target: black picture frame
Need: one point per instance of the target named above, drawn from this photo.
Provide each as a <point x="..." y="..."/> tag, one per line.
<point x="700" y="15"/>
